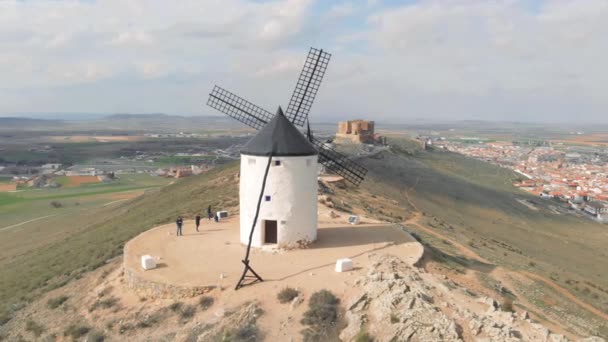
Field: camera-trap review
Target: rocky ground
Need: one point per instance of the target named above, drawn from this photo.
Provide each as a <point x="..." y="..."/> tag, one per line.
<point x="398" y="302"/>
<point x="391" y="301"/>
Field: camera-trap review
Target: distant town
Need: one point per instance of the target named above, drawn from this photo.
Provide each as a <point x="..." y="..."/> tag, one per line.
<point x="576" y="176"/>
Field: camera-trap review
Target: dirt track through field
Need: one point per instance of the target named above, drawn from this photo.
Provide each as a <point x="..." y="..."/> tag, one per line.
<point x="500" y="273"/>
<point x="22" y="223"/>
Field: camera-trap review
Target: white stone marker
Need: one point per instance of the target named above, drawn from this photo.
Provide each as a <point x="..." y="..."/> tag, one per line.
<point x="343" y="265"/>
<point x="148" y="262"/>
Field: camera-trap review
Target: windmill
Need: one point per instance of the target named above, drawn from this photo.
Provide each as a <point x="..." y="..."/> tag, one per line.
<point x="279" y="166"/>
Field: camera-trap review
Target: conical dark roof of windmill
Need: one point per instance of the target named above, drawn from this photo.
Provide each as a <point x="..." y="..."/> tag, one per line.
<point x="280" y="138"/>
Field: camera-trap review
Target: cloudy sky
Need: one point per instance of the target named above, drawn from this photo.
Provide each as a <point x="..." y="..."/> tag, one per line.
<point x="392" y="60"/>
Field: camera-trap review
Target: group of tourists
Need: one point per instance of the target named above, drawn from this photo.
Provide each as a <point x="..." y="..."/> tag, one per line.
<point x="197" y="220"/>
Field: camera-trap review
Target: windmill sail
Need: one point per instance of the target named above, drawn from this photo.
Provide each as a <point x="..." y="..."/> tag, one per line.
<point x="297" y="112"/>
<point x="339" y="163"/>
<point x="238" y="108"/>
<point x="307" y="86"/>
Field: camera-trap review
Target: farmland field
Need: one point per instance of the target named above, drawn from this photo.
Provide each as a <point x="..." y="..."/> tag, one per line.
<point x="91" y="226"/>
<point x="32" y="203"/>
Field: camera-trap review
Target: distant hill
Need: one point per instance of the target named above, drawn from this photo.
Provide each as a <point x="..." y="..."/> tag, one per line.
<point x="155" y="122"/>
<point x="20" y="123"/>
<point x="165" y="122"/>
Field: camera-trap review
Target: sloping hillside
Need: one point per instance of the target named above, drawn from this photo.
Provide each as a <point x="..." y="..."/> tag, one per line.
<point x="474" y="204"/>
<point x="25" y="276"/>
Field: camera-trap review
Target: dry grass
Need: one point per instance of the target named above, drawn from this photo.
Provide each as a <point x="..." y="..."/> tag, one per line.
<point x="52" y="265"/>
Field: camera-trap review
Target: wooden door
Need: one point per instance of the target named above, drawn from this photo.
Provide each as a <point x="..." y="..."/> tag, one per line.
<point x="270" y="231"/>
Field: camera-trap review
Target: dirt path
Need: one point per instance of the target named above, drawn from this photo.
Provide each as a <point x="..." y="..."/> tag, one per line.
<point x="22" y="223"/>
<point x="499" y="273"/>
<point x="120" y="200"/>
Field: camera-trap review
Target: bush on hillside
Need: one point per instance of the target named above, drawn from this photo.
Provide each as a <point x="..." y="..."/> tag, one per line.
<point x="287" y="294"/>
<point x="56" y="204"/>
<point x="206" y="302"/>
<point x="34" y="327"/>
<point x="54" y="303"/>
<point x="76" y="331"/>
<point x="176" y="307"/>
<point x="321" y="317"/>
<point x="363" y="336"/>
<point x="96" y="336"/>
<point x="247" y="333"/>
<point x="507" y="305"/>
<point x="187" y="312"/>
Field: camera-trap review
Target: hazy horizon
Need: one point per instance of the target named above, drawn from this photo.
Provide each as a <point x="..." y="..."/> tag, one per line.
<point x="393" y="61"/>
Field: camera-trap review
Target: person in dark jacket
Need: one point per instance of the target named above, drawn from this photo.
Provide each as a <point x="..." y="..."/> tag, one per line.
<point x="197" y="220"/>
<point x="209" y="215"/>
<point x="179" y="222"/>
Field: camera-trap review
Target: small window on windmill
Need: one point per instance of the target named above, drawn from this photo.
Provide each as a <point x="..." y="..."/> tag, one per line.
<point x="251" y="161"/>
<point x="308" y="162"/>
<point x="283" y="222"/>
<point x="267" y="198"/>
<point x="277" y="163"/>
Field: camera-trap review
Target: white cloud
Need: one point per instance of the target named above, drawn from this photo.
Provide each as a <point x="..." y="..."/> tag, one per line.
<point x="450" y="59"/>
<point x="132" y="38"/>
<point x="286" y="19"/>
<point x="339" y="11"/>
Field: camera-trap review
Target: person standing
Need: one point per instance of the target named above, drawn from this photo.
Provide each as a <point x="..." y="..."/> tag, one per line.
<point x="179" y="222"/>
<point x="197" y="220"/>
<point x="209" y="215"/>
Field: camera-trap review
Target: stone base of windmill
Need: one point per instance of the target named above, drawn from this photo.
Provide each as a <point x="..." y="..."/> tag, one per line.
<point x="210" y="260"/>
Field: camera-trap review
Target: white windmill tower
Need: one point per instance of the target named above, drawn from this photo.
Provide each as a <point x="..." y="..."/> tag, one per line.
<point x="288" y="212"/>
<point x="278" y="189"/>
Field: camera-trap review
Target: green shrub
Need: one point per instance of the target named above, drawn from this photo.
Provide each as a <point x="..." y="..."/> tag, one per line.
<point x="176" y="307"/>
<point x="96" y="336"/>
<point x="394" y="318"/>
<point x="4" y="318"/>
<point x="507" y="305"/>
<point x="321" y="317"/>
<point x="76" y="331"/>
<point x="104" y="304"/>
<point x="187" y="312"/>
<point x="206" y="302"/>
<point x="153" y="319"/>
<point x="287" y="294"/>
<point x="35" y="328"/>
<point x="56" y="302"/>
<point x="363" y="336"/>
<point x="247" y="333"/>
<point x="56" y="204"/>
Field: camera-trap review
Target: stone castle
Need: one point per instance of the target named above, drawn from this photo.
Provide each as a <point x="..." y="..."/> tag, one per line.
<point x="357" y="131"/>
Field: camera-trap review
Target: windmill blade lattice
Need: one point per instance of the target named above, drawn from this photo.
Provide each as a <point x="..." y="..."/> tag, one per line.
<point x="307" y="86"/>
<point x="339" y="163"/>
<point x="238" y="108"/>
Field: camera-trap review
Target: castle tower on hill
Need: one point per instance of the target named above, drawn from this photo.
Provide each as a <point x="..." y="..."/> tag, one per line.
<point x="356" y="131"/>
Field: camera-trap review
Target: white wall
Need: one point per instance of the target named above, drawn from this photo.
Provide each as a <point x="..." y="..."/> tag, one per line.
<point x="293" y="190"/>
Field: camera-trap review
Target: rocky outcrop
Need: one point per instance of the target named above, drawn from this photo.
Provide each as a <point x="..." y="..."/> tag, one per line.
<point x="398" y="302"/>
<point x="396" y="305"/>
<point x="237" y="325"/>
